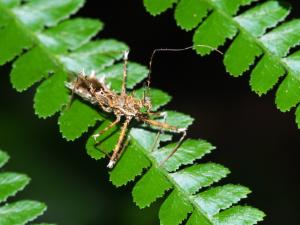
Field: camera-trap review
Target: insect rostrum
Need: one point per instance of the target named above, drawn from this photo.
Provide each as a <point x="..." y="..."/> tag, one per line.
<point x="123" y="106"/>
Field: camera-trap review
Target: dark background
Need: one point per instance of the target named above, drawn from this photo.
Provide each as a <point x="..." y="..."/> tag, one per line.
<point x="257" y="142"/>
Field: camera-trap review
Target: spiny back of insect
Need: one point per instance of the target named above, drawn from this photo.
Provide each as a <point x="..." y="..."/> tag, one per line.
<point x="97" y="92"/>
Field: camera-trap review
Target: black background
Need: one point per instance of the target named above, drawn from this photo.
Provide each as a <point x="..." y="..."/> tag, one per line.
<point x="255" y="140"/>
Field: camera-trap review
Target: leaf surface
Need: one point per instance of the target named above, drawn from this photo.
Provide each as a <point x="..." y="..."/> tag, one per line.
<point x="11" y="183"/>
<point x="20" y="212"/>
<point x="147" y="185"/>
<point x="174" y="210"/>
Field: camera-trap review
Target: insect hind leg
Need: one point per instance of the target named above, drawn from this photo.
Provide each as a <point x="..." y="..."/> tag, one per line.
<point x="164" y="115"/>
<point x="184" y="132"/>
<point x="165" y="126"/>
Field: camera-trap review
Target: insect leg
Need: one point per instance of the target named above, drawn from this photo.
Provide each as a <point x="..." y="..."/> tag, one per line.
<point x="118" y="146"/>
<point x="166" y="126"/>
<point x="125" y="72"/>
<point x="157" y="114"/>
<point x="122" y="149"/>
<point x="160" y="131"/>
<point x="75" y="86"/>
<point x="175" y="148"/>
<point x="114" y="123"/>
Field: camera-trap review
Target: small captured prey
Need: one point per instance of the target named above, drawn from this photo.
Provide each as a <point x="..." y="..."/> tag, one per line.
<point x="124" y="106"/>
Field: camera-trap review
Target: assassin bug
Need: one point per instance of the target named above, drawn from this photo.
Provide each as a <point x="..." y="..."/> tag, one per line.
<point x="124" y="105"/>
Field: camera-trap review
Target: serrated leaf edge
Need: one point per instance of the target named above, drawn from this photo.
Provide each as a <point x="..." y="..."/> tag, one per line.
<point x="28" y="180"/>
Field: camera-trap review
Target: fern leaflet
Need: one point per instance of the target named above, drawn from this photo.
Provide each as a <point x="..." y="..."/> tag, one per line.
<point x="20" y="212"/>
<point x="222" y="19"/>
<point x="66" y="46"/>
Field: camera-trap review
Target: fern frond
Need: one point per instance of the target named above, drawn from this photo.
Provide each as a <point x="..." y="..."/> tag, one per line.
<point x="51" y="53"/>
<point x="188" y="184"/>
<point x="20" y="212"/>
<point x="65" y="46"/>
<point x="218" y="21"/>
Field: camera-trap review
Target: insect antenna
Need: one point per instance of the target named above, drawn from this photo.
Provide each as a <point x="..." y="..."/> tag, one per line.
<point x="171" y="50"/>
<point x="164" y="125"/>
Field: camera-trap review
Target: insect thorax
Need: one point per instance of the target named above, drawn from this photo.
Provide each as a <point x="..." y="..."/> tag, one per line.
<point x="97" y="92"/>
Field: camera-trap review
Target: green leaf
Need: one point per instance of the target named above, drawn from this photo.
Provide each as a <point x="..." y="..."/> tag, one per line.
<point x="224" y="23"/>
<point x="235" y="64"/>
<point x="198" y="219"/>
<point x="114" y="75"/>
<point x="189" y="13"/>
<point x="242" y="215"/>
<point x="57" y="95"/>
<point x="21" y="212"/>
<point x="148" y="184"/>
<point x="266" y="15"/>
<point x="144" y="137"/>
<point x="297" y="114"/>
<point x="287" y="94"/>
<point x="266" y="74"/>
<point x="174" y="210"/>
<point x="11" y="183"/>
<point x="178" y="119"/>
<point x="12" y="41"/>
<point x="95" y="55"/>
<point x="213" y="32"/>
<point x="3" y="158"/>
<point x="156" y="7"/>
<point x="4" y="18"/>
<point x="30" y="68"/>
<point x="70" y="34"/>
<point x="71" y="122"/>
<point x="285" y="37"/>
<point x="186" y="182"/>
<point x="131" y="164"/>
<point x="230" y="7"/>
<point x="198" y="176"/>
<point x="63" y="48"/>
<point x="216" y="199"/>
<point x="36" y="14"/>
<point x="187" y="153"/>
<point x="10" y="3"/>
<point x="293" y="62"/>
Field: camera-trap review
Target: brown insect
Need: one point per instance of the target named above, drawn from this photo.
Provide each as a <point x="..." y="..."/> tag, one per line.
<point x="123" y="105"/>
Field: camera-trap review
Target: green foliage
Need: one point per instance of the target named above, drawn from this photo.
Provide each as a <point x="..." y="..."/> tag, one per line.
<point x="53" y="48"/>
<point x="217" y="21"/>
<point x="157" y="7"/>
<point x="20" y="212"/>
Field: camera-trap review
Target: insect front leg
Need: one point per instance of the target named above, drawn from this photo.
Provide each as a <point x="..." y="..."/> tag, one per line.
<point x="115" y="156"/>
<point x="114" y="123"/>
<point x="125" y="72"/>
<point x="165" y="126"/>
